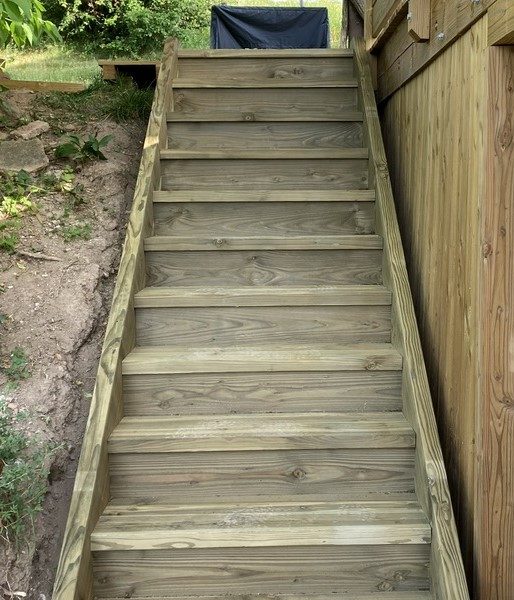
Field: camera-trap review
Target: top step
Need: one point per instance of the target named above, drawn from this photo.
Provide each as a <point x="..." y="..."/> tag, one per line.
<point x="260" y="53"/>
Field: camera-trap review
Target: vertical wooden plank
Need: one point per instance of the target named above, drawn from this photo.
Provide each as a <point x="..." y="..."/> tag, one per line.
<point x="419" y="20"/>
<point x="495" y="489"/>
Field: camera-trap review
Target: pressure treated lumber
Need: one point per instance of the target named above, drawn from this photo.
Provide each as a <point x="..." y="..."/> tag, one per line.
<point x="352" y="295"/>
<point x="284" y="219"/>
<point x="339" y="153"/>
<point x="390" y="596"/>
<point x="276" y="82"/>
<point x="283" y="114"/>
<point x="273" y="392"/>
<point x="172" y="243"/>
<point x="165" y="360"/>
<point x="74" y="577"/>
<point x="326" y="475"/>
<point x="245" y="526"/>
<point x="257" y="432"/>
<point x="230" y="195"/>
<point x="431" y="482"/>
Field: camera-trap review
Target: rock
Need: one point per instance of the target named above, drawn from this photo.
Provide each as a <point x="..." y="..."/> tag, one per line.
<point x="28" y="155"/>
<point x="3" y="136"/>
<point x="31" y="130"/>
<point x="69" y="127"/>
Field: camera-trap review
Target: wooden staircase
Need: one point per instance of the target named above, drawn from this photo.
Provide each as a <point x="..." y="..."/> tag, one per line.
<point x="261" y="424"/>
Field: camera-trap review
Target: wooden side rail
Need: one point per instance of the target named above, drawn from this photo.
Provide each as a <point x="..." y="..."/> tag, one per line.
<point x="91" y="492"/>
<point x="448" y="578"/>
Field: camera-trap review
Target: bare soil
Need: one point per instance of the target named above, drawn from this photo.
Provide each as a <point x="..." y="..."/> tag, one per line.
<point x="57" y="306"/>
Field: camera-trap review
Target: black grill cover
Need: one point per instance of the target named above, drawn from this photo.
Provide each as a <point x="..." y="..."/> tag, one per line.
<point x="244" y="27"/>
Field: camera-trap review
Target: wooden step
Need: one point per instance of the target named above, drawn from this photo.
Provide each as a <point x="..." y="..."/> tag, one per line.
<point x="274" y="113"/>
<point x="149" y="527"/>
<point x="264" y="218"/>
<point x="376" y="570"/>
<point x="351" y="295"/>
<point x="264" y="55"/>
<point x="278" y="475"/>
<point x="266" y="196"/>
<point x="270" y="82"/>
<point x="172" y="243"/>
<point x="254" y="135"/>
<point x="267" y="103"/>
<point x="299" y="596"/>
<point x="163" y="360"/>
<point x="261" y="325"/>
<point x="275" y="65"/>
<point x="276" y="392"/>
<point x="273" y="174"/>
<point x="267" y="154"/>
<point x="274" y="268"/>
<point x="260" y="432"/>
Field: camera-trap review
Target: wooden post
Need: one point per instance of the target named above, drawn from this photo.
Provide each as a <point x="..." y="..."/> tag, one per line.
<point x="419" y="20"/>
<point x="501" y="23"/>
<point x="494" y="524"/>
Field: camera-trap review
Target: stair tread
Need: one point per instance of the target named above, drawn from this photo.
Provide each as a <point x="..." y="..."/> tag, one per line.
<point x="219" y="116"/>
<point x="268" y="53"/>
<point x="144" y="527"/>
<point x="408" y="595"/>
<point x="261" y="242"/>
<point x="356" y="357"/>
<point x="263" y="296"/>
<point x="307" y="195"/>
<point x="267" y="154"/>
<point x="270" y="82"/>
<point x="191" y="433"/>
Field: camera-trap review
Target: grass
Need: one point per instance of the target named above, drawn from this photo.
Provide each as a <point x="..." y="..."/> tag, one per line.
<point x="23" y="475"/>
<point x="79" y="231"/>
<point x="59" y="63"/>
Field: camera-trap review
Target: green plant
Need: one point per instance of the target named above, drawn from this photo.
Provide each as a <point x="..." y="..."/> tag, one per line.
<point x="8" y="242"/>
<point x="12" y="206"/>
<point x="78" y="149"/>
<point x="23" y="475"/>
<point x="22" y="23"/>
<point x="80" y="231"/>
<point x="17" y="366"/>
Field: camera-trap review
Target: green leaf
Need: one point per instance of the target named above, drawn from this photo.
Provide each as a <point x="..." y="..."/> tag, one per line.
<point x="66" y="150"/>
<point x="28" y="33"/>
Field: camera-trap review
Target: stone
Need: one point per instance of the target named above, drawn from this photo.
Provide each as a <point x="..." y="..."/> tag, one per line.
<point x="17" y="155"/>
<point x="31" y="130"/>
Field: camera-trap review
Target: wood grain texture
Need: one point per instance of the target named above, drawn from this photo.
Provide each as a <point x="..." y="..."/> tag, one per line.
<point x="206" y="116"/>
<point x="264" y="174"/>
<point x="173" y="243"/>
<point x="73" y="577"/>
<point x="495" y="477"/>
<point x="253" y="219"/>
<point x="448" y="578"/>
<point x="264" y="267"/>
<point x="229" y="195"/>
<point x="258" y="135"/>
<point x="267" y="525"/>
<point x="438" y="120"/>
<point x="296" y="69"/>
<point x="281" y="476"/>
<point x="356" y="357"/>
<point x="501" y="23"/>
<point x="401" y="58"/>
<point x="261" y="325"/>
<point x="262" y="104"/>
<point x="343" y="295"/>
<point x="267" y="154"/>
<point x="276" y="82"/>
<point x="247" y="393"/>
<point x="311" y="570"/>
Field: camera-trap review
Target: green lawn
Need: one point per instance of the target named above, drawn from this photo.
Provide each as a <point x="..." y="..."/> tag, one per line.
<point x="58" y="63"/>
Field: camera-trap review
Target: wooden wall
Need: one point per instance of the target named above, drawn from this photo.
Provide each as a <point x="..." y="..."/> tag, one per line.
<point x="434" y="130"/>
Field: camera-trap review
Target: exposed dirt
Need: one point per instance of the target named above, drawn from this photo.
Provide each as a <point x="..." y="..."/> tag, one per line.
<point x="57" y="305"/>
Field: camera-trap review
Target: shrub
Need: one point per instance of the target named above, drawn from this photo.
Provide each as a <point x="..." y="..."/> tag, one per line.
<point x="130" y="27"/>
<point x="22" y="23"/>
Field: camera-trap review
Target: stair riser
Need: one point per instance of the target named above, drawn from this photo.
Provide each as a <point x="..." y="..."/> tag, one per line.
<point x="259" y="135"/>
<point x="244" y="268"/>
<point x="273" y="218"/>
<point x="297" y="475"/>
<point x="240" y="393"/>
<point x="254" y="326"/>
<point x="293" y="174"/>
<point x="244" y="69"/>
<point x="309" y="570"/>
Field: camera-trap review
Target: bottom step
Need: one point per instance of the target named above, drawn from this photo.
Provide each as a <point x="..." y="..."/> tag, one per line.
<point x="338" y="596"/>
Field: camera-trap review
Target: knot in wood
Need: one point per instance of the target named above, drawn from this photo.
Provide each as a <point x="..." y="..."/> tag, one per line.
<point x="248" y="116"/>
<point x="299" y="473"/>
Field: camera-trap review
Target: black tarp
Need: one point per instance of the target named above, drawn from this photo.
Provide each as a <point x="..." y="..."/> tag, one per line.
<point x="244" y="27"/>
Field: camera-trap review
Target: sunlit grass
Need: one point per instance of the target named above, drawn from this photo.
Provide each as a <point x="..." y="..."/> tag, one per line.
<point x="60" y="63"/>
